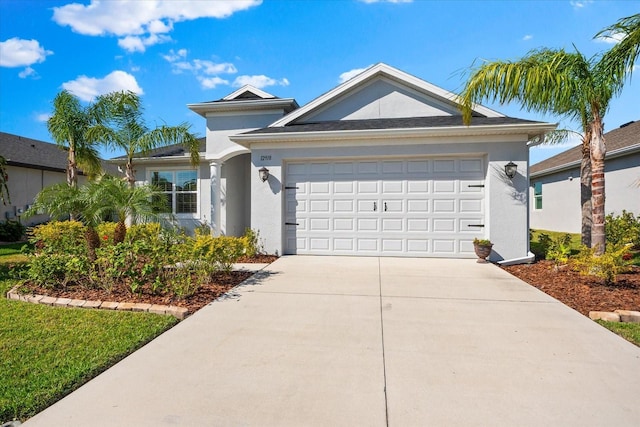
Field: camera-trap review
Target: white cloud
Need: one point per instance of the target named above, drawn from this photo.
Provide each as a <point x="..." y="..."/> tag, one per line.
<point x="27" y="72"/>
<point x="87" y="88"/>
<point x="579" y="4"/>
<point x="527" y="37"/>
<point x="43" y="117"/>
<point x="17" y="52"/>
<point x="211" y="82"/>
<point x="611" y="38"/>
<point x="141" y="23"/>
<point x="259" y="81"/>
<point x="351" y="73"/>
<point x="207" y="72"/>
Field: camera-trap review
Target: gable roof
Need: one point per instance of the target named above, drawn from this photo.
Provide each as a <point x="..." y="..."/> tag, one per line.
<point x="377" y="72"/>
<point x="625" y="139"/>
<point x="246" y="98"/>
<point x="33" y="154"/>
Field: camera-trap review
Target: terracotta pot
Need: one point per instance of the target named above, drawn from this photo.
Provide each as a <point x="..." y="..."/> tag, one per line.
<point x="483" y="251"/>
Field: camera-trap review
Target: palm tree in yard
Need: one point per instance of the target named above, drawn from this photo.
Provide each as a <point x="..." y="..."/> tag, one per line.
<point x="113" y="197"/>
<point x="123" y="128"/>
<point x="68" y="126"/>
<point x="567" y="84"/>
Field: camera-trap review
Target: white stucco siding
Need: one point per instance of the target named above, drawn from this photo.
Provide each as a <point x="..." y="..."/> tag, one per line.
<point x="622" y="184"/>
<point x="234" y="202"/>
<point x="382" y="99"/>
<point x="505" y="209"/>
<point x="561" y="209"/>
<point x="24" y="184"/>
<point x="221" y="125"/>
<point x="560" y="202"/>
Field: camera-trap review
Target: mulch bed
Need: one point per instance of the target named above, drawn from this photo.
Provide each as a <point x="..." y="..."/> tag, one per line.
<point x="582" y="293"/>
<point x="207" y="292"/>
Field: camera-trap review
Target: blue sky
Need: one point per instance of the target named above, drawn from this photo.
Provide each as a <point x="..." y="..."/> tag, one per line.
<point x="180" y="52"/>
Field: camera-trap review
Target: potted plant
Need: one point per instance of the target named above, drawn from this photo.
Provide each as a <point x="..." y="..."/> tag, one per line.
<point x="482" y="248"/>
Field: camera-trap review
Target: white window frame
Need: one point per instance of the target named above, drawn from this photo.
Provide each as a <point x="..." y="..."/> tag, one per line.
<point x="537" y="196"/>
<point x="198" y="192"/>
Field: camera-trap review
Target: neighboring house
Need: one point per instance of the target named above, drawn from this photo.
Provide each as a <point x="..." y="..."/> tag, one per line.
<point x="31" y="166"/>
<point x="381" y="165"/>
<point x="555" y="182"/>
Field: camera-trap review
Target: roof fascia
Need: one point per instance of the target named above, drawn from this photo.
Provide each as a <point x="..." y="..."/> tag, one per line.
<point x="529" y="130"/>
<point x="167" y="159"/>
<point x="371" y="72"/>
<point x="203" y="108"/>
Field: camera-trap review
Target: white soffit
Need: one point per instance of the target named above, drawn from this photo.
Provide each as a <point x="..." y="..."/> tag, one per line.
<point x="392" y="73"/>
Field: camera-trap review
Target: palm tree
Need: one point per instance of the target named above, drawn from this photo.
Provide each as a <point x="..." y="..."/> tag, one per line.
<point x="60" y="201"/>
<point x="113" y="197"/>
<point x="123" y="128"/>
<point x="68" y="126"/>
<point x="563" y="83"/>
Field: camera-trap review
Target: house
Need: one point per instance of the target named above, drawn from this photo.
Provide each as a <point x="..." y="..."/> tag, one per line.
<point x="31" y="166"/>
<point x="381" y="165"/>
<point x="555" y="182"/>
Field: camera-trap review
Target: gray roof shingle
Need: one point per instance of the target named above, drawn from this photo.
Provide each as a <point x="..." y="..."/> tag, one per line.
<point x="34" y="154"/>
<point x="168" y="151"/>
<point x="396" y="123"/>
<point x="626" y="136"/>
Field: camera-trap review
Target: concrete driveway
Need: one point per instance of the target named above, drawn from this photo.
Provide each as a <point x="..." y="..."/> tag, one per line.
<point x="343" y="341"/>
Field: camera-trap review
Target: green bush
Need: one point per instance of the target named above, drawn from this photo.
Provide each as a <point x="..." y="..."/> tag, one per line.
<point x="251" y="242"/>
<point x="11" y="231"/>
<point x="60" y="236"/>
<point x="623" y="229"/>
<point x="150" y="230"/>
<point x="606" y="266"/>
<point x="558" y="249"/>
<point x="106" y="231"/>
<point x="57" y="269"/>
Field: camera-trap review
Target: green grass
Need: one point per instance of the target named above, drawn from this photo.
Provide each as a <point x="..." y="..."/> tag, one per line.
<point x="628" y="331"/>
<point x="47" y="352"/>
<point x="536" y="247"/>
<point x="12" y="253"/>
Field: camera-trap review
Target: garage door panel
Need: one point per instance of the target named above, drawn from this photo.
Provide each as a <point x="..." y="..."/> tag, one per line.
<point x="399" y="207"/>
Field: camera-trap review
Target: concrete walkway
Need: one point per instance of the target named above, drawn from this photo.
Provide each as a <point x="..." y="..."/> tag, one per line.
<point x="343" y="341"/>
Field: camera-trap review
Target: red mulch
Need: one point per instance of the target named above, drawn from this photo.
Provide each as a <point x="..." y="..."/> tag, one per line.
<point x="206" y="293"/>
<point x="582" y="293"/>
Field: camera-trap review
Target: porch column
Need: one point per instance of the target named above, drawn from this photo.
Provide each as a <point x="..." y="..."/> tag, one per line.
<point x="216" y="175"/>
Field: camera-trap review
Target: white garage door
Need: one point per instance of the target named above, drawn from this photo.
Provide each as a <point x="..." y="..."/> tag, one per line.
<point x="418" y="207"/>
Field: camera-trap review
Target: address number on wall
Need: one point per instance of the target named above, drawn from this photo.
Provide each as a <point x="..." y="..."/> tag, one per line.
<point x="264" y="158"/>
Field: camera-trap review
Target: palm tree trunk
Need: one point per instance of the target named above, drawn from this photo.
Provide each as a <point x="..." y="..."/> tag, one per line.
<point x="598" y="151"/>
<point x="130" y="174"/>
<point x="93" y="242"/>
<point x="585" y="189"/>
<point x="120" y="232"/>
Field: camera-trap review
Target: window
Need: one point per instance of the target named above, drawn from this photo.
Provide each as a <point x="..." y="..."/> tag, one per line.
<point x="537" y="195"/>
<point x="180" y="187"/>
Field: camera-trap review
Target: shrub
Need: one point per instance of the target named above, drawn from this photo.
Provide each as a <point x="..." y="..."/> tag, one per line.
<point x="60" y="236"/>
<point x="605" y="266"/>
<point x="251" y="242"/>
<point x="11" y="231"/>
<point x="150" y="230"/>
<point x="56" y="270"/>
<point x="106" y="232"/>
<point x="623" y="229"/>
<point x="558" y="249"/>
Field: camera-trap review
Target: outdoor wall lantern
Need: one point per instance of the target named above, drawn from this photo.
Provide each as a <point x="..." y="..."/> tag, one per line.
<point x="510" y="169"/>
<point x="263" y="173"/>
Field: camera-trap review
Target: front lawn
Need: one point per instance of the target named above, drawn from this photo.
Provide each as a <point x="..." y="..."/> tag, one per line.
<point x="48" y="352"/>
<point x="628" y="331"/>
